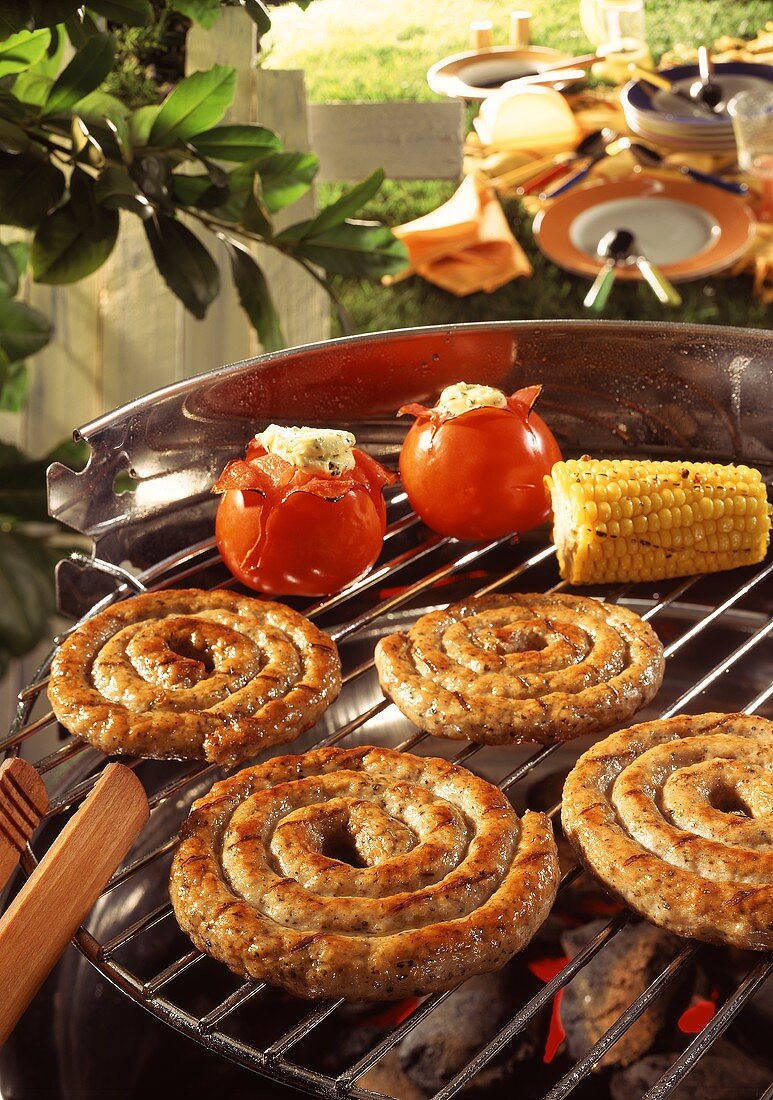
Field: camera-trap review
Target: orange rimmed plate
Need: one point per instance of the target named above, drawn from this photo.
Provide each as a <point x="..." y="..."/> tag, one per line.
<point x="688" y="229"/>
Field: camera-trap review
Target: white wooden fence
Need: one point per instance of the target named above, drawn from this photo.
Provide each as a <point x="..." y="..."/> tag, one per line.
<point x="121" y="333"/>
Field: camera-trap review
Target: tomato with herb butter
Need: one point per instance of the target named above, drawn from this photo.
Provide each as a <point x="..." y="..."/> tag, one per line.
<point x="302" y="513"/>
<point x="473" y="465"/>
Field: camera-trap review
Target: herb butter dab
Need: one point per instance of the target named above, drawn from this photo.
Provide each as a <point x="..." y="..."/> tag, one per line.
<point x="325" y="450"/>
<point x="463" y="397"/>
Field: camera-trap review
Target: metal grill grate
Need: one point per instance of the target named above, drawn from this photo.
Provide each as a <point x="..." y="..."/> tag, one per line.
<point x="373" y="609"/>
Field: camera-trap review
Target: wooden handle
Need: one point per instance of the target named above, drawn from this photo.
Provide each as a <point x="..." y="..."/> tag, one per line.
<point x="23" y="801"/>
<point x="45" y="915"/>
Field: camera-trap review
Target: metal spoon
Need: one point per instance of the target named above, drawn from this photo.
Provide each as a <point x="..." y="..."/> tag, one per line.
<point x="658" y="80"/>
<point x="706" y="90"/>
<point x="664" y="291"/>
<point x="649" y="158"/>
<point x="613" y="248"/>
<point x="594" y="147"/>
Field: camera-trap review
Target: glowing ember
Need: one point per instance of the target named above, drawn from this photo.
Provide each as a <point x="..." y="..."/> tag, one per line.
<point x="546" y="969"/>
<point x="697" y="1015"/>
<point x="394" y="1015"/>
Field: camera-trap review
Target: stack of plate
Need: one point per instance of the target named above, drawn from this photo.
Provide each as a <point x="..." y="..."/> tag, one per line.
<point x="667" y="119"/>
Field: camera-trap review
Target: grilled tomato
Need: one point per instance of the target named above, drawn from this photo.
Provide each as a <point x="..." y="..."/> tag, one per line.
<point x="302" y="513"/>
<point x="473" y="465"/>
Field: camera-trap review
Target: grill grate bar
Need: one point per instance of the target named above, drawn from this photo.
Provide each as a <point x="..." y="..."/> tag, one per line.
<point x="392" y="1039"/>
<point x="530" y="1010"/>
<point x="140" y="864"/>
<point x="719" y="669"/>
<point x="759" y="700"/>
<point x="593" y="1056"/>
<point x="144" y="924"/>
<point x="410" y="1022"/>
<point x="715" y="1027"/>
<point x="181" y="783"/>
<point x="669" y="598"/>
<point x="150" y="988"/>
<point x="27" y="731"/>
<point x="416" y="588"/>
<point x="238" y="998"/>
<point x="708" y="619"/>
<point x="523" y="769"/>
<point x="302" y="1029"/>
<point x="80" y="790"/>
<point x="73" y="747"/>
<point x="33" y="690"/>
<point x="355" y="723"/>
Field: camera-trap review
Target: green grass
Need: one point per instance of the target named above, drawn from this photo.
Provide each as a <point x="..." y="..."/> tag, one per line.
<point x="381" y="49"/>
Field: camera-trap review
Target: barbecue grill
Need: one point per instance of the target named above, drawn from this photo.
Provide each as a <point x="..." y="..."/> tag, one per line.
<point x="657" y="390"/>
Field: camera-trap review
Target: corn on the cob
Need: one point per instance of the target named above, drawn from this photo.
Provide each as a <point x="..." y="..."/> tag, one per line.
<point x="628" y="520"/>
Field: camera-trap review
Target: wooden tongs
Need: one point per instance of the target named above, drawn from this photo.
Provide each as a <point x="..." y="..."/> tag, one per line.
<point x="52" y="904"/>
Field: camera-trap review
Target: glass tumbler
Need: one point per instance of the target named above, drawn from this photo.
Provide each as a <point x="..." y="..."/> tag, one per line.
<point x="752" y="115"/>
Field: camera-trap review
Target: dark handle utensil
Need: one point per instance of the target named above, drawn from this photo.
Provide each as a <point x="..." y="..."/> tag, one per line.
<point x="715" y="181"/>
<point x="649" y="158"/>
<point x="592" y="146"/>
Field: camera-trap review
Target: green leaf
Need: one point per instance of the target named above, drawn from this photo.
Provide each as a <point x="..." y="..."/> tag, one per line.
<point x="230" y="206"/>
<point x="237" y="143"/>
<point x="204" y="12"/>
<point x="20" y="251"/>
<point x="86" y="71"/>
<point x="26" y="590"/>
<point x="196" y="104"/>
<point x="258" y="13"/>
<point x="355" y="248"/>
<point x="255" y="296"/>
<point x="349" y="203"/>
<point x="13" y="387"/>
<point x="54" y="56"/>
<point x="13" y="108"/>
<point x="32" y="87"/>
<point x="100" y="106"/>
<point x="256" y="217"/>
<point x="12" y="138"/>
<point x="197" y="191"/>
<point x="116" y="190"/>
<point x="286" y="177"/>
<point x="20" y="51"/>
<point x="95" y="221"/>
<point x="23" y="330"/>
<point x="9" y="272"/>
<point x="141" y="123"/>
<point x="130" y="13"/>
<point x="29" y="186"/>
<point x="187" y="267"/>
<point x="80" y="28"/>
<point x="62" y="252"/>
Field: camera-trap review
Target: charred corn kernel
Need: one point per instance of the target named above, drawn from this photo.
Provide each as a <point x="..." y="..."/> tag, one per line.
<point x="629" y="520"/>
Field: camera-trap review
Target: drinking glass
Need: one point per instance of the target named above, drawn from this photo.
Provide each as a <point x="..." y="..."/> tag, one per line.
<point x="752" y="115"/>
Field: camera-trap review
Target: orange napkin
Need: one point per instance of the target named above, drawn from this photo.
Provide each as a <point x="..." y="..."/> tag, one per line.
<point x="465" y="245"/>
